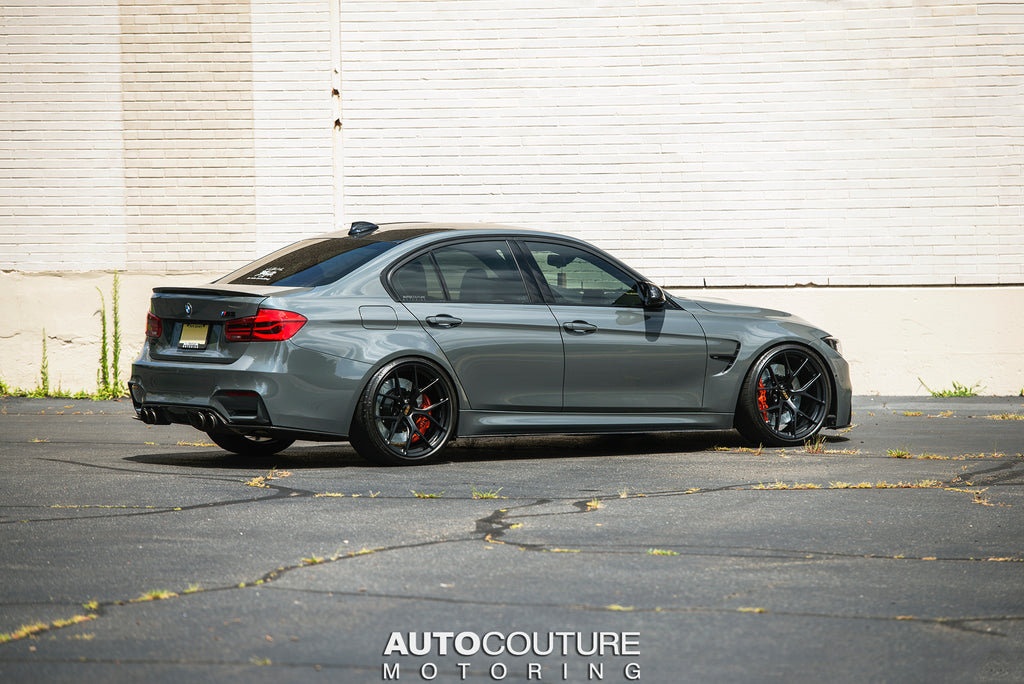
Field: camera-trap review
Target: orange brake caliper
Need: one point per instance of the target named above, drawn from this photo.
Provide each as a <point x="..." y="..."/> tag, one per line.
<point x="422" y="423"/>
<point x="762" y="399"/>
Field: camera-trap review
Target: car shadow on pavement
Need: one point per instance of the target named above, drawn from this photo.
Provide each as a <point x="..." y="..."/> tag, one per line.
<point x="307" y="455"/>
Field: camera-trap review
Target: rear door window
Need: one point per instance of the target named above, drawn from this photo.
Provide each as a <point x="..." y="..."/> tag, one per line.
<point x="483" y="272"/>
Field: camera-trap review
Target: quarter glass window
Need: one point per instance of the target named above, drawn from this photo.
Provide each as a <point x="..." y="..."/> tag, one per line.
<point x="417" y="281"/>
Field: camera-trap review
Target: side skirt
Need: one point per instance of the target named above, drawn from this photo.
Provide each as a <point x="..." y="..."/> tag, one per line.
<point x="507" y="424"/>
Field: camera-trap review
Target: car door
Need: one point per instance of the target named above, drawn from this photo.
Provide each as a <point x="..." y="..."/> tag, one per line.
<point x="502" y="342"/>
<point x="619" y="356"/>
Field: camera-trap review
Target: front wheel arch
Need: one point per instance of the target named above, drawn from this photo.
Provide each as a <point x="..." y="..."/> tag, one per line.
<point x="786" y="397"/>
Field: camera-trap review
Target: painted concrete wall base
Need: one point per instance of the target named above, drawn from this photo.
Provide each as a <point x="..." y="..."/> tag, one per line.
<point x="67" y="306"/>
<point x="891" y="336"/>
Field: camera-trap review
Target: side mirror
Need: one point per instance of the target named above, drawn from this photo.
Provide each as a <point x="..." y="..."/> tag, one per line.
<point x="651" y="296"/>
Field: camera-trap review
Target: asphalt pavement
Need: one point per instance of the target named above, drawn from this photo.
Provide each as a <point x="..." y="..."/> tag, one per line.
<point x="892" y="551"/>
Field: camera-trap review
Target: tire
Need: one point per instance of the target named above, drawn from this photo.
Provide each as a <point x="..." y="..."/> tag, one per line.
<point x="406" y="415"/>
<point x="785" y="397"/>
<point x="244" y="445"/>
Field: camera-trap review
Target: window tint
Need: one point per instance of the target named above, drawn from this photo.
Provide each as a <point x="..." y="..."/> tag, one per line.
<point x="576" y="277"/>
<point x="481" y="272"/>
<point x="417" y="281"/>
<point x="309" y="263"/>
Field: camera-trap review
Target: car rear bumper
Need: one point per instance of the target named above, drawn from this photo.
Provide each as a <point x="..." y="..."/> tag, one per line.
<point x="279" y="388"/>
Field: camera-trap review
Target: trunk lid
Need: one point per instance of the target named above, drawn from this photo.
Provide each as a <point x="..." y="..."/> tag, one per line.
<point x="193" y="320"/>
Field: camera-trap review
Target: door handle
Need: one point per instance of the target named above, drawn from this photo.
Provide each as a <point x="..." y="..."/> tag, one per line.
<point x="581" y="327"/>
<point x="444" y="321"/>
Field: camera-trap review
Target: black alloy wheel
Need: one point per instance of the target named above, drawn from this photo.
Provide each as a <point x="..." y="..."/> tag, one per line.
<point x="785" y="398"/>
<point x="406" y="414"/>
<point x="248" y="445"/>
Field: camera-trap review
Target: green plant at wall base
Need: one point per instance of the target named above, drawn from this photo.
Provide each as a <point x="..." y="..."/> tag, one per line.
<point x="957" y="391"/>
<point x="103" y="372"/>
<point x="115" y="359"/>
<point x="107" y="380"/>
<point x="44" y="369"/>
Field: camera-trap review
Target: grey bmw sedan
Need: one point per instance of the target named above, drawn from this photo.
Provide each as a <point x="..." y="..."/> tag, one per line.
<point x="403" y="337"/>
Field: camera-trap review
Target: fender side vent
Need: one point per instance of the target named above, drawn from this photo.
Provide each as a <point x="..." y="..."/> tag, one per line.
<point x="722" y="355"/>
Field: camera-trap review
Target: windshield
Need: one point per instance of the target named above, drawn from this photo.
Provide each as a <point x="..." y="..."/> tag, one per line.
<point x="309" y="263"/>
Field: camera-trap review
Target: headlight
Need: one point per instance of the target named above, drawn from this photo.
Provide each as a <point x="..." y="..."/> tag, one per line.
<point x="834" y="343"/>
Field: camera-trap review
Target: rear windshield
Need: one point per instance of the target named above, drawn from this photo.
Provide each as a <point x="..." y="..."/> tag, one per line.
<point x="309" y="263"/>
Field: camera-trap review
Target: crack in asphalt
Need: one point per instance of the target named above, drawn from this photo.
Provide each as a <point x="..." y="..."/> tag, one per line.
<point x="953" y="623"/>
<point x="85" y="660"/>
<point x="493" y="527"/>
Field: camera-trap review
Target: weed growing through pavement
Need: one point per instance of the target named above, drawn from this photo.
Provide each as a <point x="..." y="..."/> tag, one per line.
<point x="743" y="450"/>
<point x="274" y="474"/>
<point x="594" y="504"/>
<point x="816" y="446"/>
<point x="154" y="595"/>
<point x="882" y="484"/>
<point x="38" y="627"/>
<point x="661" y="552"/>
<point x="779" y="484"/>
<point x="425" y="495"/>
<point x="488" y="493"/>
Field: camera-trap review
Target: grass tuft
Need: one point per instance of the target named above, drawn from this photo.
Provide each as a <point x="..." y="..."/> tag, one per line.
<point x="816" y="446"/>
<point x="958" y="390"/>
<point x="154" y="595"/>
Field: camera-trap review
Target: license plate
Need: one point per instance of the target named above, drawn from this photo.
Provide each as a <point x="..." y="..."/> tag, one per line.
<point x="193" y="336"/>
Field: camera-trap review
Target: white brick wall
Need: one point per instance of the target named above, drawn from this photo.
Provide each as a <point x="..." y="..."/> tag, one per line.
<point x="188" y="130"/>
<point x="61" y="181"/>
<point x="162" y="136"/>
<point x="757" y="143"/>
<point x="861" y="142"/>
<point x="293" y="119"/>
<point x="726" y="143"/>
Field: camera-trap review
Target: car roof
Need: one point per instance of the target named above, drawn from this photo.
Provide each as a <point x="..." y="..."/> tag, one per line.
<point x="400" y="232"/>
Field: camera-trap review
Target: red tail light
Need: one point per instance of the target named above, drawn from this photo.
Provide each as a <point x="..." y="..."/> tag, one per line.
<point x="154" y="326"/>
<point x="267" y="324"/>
